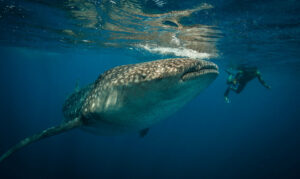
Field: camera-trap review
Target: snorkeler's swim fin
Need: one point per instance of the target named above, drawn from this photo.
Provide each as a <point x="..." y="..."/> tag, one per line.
<point x="45" y="133"/>
<point x="227" y="100"/>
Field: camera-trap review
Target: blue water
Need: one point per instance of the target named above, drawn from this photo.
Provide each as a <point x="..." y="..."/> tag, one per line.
<point x="255" y="136"/>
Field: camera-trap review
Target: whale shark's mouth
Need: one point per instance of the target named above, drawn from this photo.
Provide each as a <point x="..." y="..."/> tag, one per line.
<point x="198" y="71"/>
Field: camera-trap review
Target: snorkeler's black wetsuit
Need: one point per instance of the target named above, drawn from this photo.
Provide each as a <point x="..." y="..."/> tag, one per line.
<point x="240" y="80"/>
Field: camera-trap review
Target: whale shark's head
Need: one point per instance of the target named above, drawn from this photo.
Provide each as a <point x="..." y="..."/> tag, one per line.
<point x="161" y="74"/>
<point x="152" y="89"/>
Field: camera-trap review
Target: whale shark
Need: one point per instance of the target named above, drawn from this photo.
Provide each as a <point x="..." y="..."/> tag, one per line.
<point x="131" y="98"/>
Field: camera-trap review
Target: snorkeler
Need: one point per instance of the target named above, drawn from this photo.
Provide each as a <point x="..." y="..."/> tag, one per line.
<point x="237" y="82"/>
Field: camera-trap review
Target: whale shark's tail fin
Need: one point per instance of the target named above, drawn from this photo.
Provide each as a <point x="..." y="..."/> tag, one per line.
<point x="45" y="133"/>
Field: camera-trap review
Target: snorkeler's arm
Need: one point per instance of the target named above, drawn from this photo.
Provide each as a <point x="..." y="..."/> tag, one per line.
<point x="260" y="79"/>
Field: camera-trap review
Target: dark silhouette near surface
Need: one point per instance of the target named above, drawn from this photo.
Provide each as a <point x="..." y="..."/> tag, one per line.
<point x="237" y="81"/>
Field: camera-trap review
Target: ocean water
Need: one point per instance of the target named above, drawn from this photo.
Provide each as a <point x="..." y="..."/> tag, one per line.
<point x="47" y="47"/>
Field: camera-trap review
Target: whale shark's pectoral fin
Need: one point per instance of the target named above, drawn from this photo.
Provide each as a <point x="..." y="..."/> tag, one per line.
<point x="77" y="122"/>
<point x="144" y="132"/>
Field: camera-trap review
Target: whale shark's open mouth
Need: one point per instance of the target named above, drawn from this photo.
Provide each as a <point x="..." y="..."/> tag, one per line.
<point x="197" y="71"/>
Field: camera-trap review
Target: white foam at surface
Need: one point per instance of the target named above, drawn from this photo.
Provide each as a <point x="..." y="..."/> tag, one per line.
<point x="160" y="3"/>
<point x="181" y="52"/>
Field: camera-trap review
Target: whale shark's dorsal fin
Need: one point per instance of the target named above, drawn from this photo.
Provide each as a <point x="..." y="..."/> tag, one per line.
<point x="66" y="126"/>
<point x="73" y="104"/>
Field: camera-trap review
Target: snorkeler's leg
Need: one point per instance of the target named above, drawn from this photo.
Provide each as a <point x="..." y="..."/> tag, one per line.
<point x="240" y="88"/>
<point x="237" y="89"/>
<point x="226" y="95"/>
<point x="260" y="79"/>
